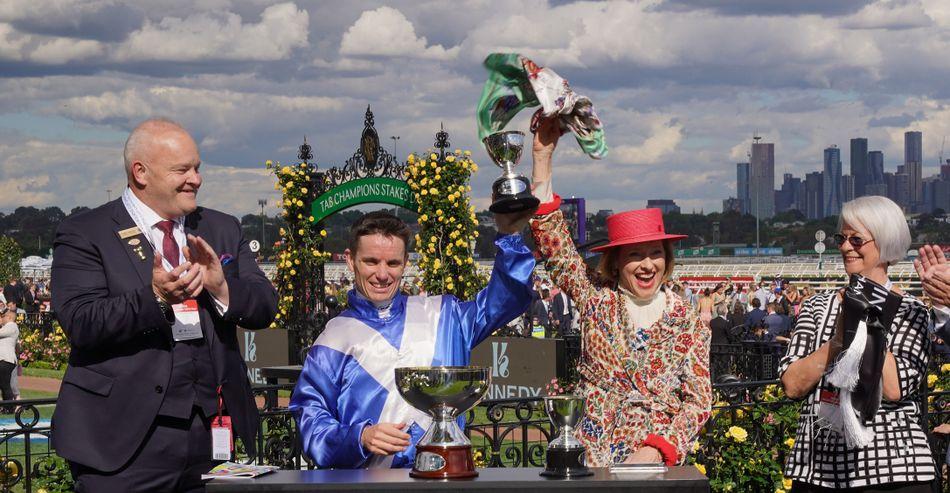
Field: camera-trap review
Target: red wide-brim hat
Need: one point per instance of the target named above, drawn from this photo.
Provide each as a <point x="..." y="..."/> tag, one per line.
<point x="639" y="226"/>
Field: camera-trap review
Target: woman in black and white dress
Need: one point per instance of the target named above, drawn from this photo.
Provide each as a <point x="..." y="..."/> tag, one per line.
<point x="873" y="235"/>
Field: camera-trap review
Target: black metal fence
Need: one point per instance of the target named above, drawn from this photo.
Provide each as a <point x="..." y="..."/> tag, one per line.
<point x="504" y="433"/>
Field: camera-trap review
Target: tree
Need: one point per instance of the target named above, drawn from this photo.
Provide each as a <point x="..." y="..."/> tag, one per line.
<point x="10" y="255"/>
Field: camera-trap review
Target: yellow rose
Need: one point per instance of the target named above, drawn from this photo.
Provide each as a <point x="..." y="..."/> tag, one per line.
<point x="739" y="413"/>
<point x="423" y="192"/>
<point x="323" y="233"/>
<point x="300" y="232"/>
<point x="701" y="468"/>
<point x="468" y="153"/>
<point x="931" y="380"/>
<point x="450" y="159"/>
<point x="312" y="219"/>
<point x="296" y="261"/>
<point x="738" y="433"/>
<point x="299" y="203"/>
<point x="433" y="156"/>
<point x="423" y="218"/>
<point x="285" y="170"/>
<point x="434" y="191"/>
<point x="290" y="184"/>
<point x="303" y="190"/>
<point x="411" y="159"/>
<point x="316" y="253"/>
<point x="450" y="286"/>
<point x="288" y="203"/>
<point x="436" y="264"/>
<point x="282" y="232"/>
<point x="437" y="176"/>
<point x="790" y="442"/>
<point x="945" y="368"/>
<point x="268" y="163"/>
<point x="787" y="483"/>
<point x="438" y="212"/>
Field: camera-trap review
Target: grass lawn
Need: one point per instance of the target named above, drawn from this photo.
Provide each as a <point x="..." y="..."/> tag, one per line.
<point x="43" y="372"/>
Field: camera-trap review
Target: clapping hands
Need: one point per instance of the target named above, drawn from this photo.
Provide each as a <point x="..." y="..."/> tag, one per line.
<point x="934" y="272"/>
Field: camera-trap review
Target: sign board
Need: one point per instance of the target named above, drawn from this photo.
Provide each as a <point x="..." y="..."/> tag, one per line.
<point x="254" y="245"/>
<point x="820" y="247"/>
<point x="262" y="348"/>
<point x="697" y="252"/>
<point x="520" y="366"/>
<point x="819" y="235"/>
<point x="378" y="190"/>
<point x="748" y="252"/>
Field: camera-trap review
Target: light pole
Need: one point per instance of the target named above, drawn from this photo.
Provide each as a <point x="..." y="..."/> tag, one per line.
<point x="395" y="154"/>
<point x="262" y="203"/>
<point x="109" y="193"/>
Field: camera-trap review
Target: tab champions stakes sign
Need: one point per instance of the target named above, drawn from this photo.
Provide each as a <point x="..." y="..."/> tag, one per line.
<point x="364" y="190"/>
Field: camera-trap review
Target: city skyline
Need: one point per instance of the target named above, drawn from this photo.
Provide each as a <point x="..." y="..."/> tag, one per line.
<point x="822" y="192"/>
<point x="681" y="86"/>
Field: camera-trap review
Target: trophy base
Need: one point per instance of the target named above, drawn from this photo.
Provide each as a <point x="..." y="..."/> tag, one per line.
<point x="512" y="194"/>
<point x="434" y="462"/>
<point x="565" y="464"/>
<point x="507" y="205"/>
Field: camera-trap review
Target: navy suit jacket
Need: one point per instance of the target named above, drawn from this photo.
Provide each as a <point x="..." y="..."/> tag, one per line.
<point x="121" y="346"/>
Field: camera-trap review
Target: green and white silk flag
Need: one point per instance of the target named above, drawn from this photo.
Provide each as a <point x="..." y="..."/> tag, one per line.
<point x="515" y="83"/>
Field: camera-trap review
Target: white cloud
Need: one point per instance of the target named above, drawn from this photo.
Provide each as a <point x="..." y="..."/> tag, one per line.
<point x="387" y="32"/>
<point x="12" y="43"/>
<point x="891" y="14"/>
<point x="217" y="107"/>
<point x="62" y="50"/>
<point x="207" y="36"/>
<point x="665" y="135"/>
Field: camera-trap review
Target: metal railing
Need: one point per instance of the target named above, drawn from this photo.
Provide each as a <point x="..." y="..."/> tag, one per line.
<point x="504" y="433"/>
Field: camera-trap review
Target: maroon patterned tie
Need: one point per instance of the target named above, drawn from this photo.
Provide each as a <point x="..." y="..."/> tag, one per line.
<point x="169" y="245"/>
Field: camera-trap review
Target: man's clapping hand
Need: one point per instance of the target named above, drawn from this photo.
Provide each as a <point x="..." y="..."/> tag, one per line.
<point x="385" y="438"/>
<point x="934" y="272"/>
<point x="172" y="286"/>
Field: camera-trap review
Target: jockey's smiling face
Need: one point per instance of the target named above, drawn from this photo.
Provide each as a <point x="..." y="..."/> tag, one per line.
<point x="377" y="266"/>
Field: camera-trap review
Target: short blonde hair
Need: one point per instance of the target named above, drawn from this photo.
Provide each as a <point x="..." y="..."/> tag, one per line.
<point x="884" y="220"/>
<point x="608" y="269"/>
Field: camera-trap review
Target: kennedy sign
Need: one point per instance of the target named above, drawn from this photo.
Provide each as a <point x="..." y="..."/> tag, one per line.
<point x="363" y="191"/>
<point x="262" y="348"/>
<point x="520" y="367"/>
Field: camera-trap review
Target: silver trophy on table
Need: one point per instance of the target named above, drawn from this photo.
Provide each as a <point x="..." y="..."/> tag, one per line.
<point x="510" y="192"/>
<point x="565" y="455"/>
<point x="443" y="392"/>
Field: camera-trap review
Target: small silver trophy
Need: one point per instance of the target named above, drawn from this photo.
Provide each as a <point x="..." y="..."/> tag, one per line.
<point x="510" y="192"/>
<point x="443" y="392"/>
<point x="565" y="455"/>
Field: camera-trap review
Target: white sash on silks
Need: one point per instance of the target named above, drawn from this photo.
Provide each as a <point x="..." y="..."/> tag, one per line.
<point x="380" y="359"/>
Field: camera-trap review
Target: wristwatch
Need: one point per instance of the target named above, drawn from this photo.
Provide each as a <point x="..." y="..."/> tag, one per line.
<point x="167" y="310"/>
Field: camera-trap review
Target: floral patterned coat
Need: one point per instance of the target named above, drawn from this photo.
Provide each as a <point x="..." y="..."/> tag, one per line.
<point x="667" y="364"/>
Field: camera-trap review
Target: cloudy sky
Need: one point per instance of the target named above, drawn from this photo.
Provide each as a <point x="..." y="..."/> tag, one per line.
<point x="681" y="86"/>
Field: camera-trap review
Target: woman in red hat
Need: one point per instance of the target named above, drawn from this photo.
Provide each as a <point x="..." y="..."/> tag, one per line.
<point x="645" y="354"/>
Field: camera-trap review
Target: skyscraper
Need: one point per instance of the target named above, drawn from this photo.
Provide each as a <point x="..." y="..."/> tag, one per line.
<point x="860" y="171"/>
<point x="762" y="180"/>
<point x="847" y="188"/>
<point x="814" y="208"/>
<point x="742" y="187"/>
<point x="831" y="186"/>
<point x="875" y="184"/>
<point x="913" y="162"/>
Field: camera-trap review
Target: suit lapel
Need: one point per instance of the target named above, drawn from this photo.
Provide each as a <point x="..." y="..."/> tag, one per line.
<point x="137" y="247"/>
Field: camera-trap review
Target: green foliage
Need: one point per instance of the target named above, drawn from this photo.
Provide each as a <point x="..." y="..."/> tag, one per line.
<point x="745" y="449"/>
<point x="49" y="352"/>
<point x="300" y="247"/>
<point x="447" y="222"/>
<point x="10" y="255"/>
<point x="52" y="475"/>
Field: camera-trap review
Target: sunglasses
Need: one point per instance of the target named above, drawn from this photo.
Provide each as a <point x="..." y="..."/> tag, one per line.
<point x="855" y="241"/>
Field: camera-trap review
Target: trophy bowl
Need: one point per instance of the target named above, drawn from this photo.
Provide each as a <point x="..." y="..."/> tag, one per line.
<point x="443" y="392"/>
<point x="565" y="455"/>
<point x="511" y="192"/>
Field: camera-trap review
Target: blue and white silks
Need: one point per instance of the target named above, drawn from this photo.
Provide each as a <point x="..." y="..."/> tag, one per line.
<point x="348" y="379"/>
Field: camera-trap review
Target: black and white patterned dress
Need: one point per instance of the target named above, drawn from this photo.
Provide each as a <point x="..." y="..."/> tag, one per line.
<point x="899" y="452"/>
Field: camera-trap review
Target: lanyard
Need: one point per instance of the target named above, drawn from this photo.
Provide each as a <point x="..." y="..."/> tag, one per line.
<point x="140" y="223"/>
